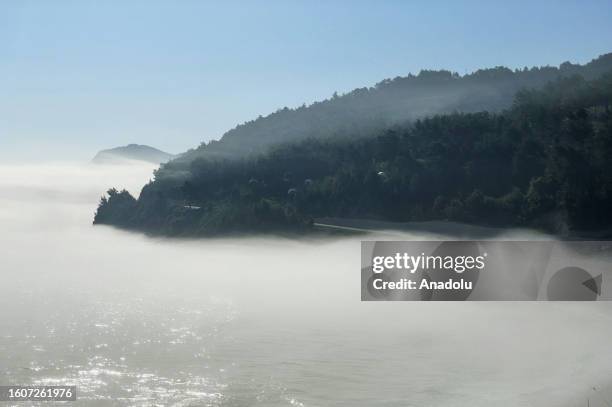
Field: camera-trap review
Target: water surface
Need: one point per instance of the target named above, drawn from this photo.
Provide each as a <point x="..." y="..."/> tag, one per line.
<point x="140" y="321"/>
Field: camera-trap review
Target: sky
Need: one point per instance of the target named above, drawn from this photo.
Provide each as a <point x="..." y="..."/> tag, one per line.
<point x="80" y="76"/>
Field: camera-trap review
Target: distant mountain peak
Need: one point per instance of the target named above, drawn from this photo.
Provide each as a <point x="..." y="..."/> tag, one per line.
<point x="132" y="152"/>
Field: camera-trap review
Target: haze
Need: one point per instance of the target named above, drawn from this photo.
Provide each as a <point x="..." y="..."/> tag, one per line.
<point x="256" y="321"/>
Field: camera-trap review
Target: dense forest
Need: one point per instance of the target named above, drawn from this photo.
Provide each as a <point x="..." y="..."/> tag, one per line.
<point x="366" y="111"/>
<point x="542" y="162"/>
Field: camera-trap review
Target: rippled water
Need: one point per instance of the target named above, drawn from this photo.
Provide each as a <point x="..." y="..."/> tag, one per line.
<point x="138" y="321"/>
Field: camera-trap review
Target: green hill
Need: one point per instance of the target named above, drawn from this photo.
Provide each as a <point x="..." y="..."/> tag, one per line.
<point x="392" y="101"/>
<point x="543" y="161"/>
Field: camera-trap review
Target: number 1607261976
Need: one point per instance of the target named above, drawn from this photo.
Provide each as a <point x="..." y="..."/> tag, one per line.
<point x="37" y="393"/>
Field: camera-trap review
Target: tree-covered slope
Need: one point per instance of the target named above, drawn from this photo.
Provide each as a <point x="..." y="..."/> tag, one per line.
<point x="545" y="161"/>
<point x="367" y="110"/>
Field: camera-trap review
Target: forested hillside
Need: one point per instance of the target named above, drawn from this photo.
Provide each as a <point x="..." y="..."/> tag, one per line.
<point x="365" y="111"/>
<point x="544" y="162"/>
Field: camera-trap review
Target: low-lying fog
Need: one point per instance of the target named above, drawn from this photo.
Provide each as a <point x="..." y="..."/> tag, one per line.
<point x="257" y="321"/>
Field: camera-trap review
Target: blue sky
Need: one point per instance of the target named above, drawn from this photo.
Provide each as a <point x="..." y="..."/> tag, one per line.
<point x="79" y="76"/>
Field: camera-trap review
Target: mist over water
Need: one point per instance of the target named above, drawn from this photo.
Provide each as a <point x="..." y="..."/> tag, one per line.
<point x="138" y="321"/>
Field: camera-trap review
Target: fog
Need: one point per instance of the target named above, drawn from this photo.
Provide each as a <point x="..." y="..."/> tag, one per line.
<point x="259" y="320"/>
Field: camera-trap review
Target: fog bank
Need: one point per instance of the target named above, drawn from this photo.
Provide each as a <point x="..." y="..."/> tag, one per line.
<point x="257" y="320"/>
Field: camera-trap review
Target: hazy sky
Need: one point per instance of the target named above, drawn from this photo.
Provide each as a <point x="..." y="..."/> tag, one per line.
<point x="78" y="76"/>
